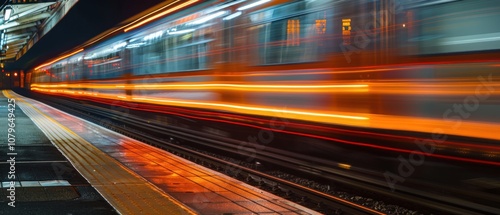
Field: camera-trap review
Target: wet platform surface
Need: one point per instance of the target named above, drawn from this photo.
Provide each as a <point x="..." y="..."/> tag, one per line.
<point x="200" y="189"/>
<point x="45" y="182"/>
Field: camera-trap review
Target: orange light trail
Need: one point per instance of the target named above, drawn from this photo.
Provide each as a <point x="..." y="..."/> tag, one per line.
<point x="444" y="87"/>
<point x="380" y="121"/>
<point x="248" y="108"/>
<point x="59" y="58"/>
<point x="248" y="86"/>
<point x="136" y="25"/>
<point x="218" y="86"/>
<point x="374" y="125"/>
<point x="120" y="28"/>
<point x="245" y="109"/>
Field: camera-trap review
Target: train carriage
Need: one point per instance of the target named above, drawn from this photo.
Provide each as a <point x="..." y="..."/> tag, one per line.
<point x="337" y="62"/>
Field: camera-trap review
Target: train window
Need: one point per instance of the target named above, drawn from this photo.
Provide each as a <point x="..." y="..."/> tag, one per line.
<point x="461" y="26"/>
<point x="287" y="33"/>
<point x="39" y="76"/>
<point x="76" y="68"/>
<point x="104" y="62"/>
<point x="56" y="72"/>
<point x="179" y="48"/>
<point x="149" y="58"/>
<point x="61" y="71"/>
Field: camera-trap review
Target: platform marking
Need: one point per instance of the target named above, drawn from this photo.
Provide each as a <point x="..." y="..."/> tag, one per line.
<point x="124" y="189"/>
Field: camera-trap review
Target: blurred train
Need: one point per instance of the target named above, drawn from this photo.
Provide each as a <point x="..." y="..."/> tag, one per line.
<point x="412" y="65"/>
<point x="373" y="74"/>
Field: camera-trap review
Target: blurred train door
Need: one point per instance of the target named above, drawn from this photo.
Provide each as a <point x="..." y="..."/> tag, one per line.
<point x="229" y="68"/>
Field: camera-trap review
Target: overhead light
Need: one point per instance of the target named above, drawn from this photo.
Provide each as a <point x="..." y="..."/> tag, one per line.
<point x="9" y="25"/>
<point x="232" y="16"/>
<point x="7" y="12"/>
<point x="253" y="4"/>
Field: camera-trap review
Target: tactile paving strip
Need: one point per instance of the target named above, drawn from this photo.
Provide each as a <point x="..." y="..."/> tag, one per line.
<point x="125" y="190"/>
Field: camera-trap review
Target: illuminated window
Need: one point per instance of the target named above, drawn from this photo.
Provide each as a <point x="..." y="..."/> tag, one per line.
<point x="293" y="32"/>
<point x="346" y="31"/>
<point x="321" y="26"/>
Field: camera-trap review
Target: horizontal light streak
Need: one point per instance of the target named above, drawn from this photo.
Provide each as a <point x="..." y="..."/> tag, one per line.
<point x="59" y="58"/>
<point x="242" y="107"/>
<point x="257" y="86"/>
<point x="246" y="109"/>
<point x="253" y="4"/>
<point x="393" y="88"/>
<point x="378" y="121"/>
<point x="216" y="86"/>
<point x="170" y="10"/>
<point x="232" y="16"/>
<point x="440" y="87"/>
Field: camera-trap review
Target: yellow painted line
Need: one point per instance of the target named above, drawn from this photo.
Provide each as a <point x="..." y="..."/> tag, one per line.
<point x="124" y="189"/>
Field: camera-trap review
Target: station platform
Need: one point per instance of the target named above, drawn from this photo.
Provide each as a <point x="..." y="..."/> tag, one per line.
<point x="45" y="182"/>
<point x="71" y="166"/>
